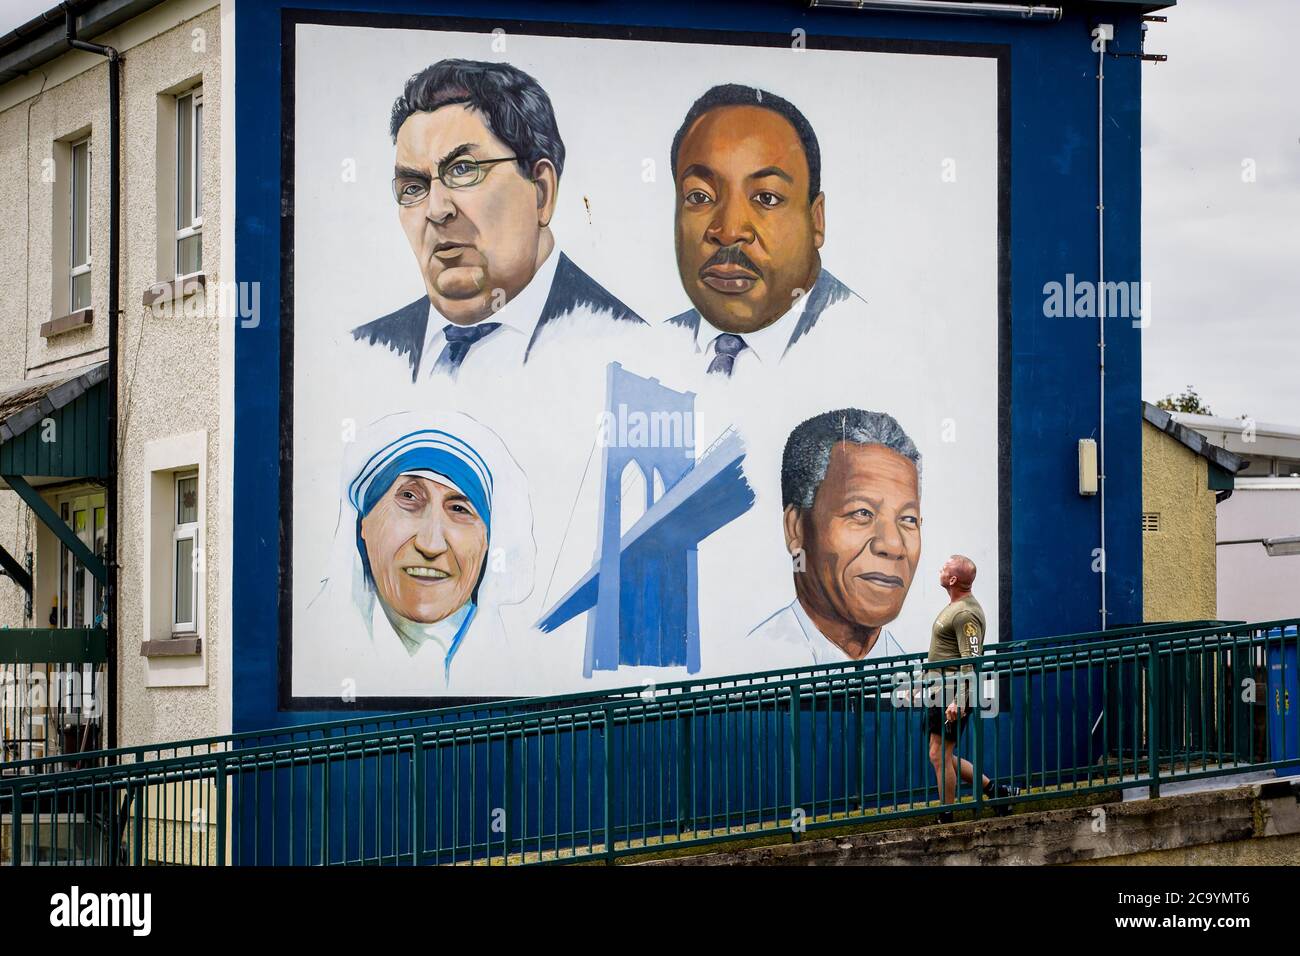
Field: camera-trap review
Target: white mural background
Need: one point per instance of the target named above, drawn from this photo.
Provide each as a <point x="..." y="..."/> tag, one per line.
<point x="909" y="170"/>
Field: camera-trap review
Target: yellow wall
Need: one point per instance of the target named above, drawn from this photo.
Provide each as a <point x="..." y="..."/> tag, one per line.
<point x="1178" y="565"/>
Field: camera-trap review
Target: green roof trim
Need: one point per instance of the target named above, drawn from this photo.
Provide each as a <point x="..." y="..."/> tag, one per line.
<point x="56" y="426"/>
<point x="1220" y="480"/>
<point x="66" y="645"/>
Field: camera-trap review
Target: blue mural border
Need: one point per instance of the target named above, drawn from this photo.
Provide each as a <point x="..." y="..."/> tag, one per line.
<point x="264" y="52"/>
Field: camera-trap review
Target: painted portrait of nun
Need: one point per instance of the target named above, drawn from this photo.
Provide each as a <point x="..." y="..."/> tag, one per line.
<point x="435" y="535"/>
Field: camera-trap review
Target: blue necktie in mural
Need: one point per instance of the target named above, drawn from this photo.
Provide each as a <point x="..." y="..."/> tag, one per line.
<point x="460" y="338"/>
<point x="642" y="589"/>
<point x="726" y="347"/>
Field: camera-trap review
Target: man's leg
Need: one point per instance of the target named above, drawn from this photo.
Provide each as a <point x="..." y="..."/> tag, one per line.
<point x="968" y="772"/>
<point x="945" y="770"/>
<point x="1002" y="790"/>
<point x="937" y="761"/>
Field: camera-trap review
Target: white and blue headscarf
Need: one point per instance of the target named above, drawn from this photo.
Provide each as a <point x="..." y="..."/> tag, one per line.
<point x="455" y="450"/>
<point x="431" y="453"/>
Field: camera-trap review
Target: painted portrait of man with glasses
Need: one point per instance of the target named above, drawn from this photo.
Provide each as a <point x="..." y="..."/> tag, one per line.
<point x="476" y="175"/>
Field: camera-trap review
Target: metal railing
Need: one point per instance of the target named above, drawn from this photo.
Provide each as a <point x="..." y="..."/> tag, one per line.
<point x="368" y="722"/>
<point x="51" y="683"/>
<point x="683" y="765"/>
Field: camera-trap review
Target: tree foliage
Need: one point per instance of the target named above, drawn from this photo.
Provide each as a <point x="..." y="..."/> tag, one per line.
<point x="1189" y="401"/>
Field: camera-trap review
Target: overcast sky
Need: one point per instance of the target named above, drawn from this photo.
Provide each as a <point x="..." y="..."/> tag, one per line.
<point x="14" y="13"/>
<point x="1222" y="255"/>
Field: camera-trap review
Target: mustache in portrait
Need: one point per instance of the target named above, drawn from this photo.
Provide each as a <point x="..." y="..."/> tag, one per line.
<point x="731" y="256"/>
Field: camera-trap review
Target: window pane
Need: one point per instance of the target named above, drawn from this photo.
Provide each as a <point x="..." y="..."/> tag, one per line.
<point x="80" y="292"/>
<point x="80" y="204"/>
<point x="189" y="255"/>
<point x="101" y="551"/>
<point x="198" y="160"/>
<point x="184" y="581"/>
<point x="65" y="576"/>
<point x="79" y="597"/>
<point x="184" y="162"/>
<point x="187" y="500"/>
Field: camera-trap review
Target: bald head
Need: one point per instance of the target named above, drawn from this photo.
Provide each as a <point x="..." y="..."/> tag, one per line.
<point x="958" y="573"/>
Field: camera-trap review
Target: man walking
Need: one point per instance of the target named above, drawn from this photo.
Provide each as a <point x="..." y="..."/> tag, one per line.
<point x="958" y="632"/>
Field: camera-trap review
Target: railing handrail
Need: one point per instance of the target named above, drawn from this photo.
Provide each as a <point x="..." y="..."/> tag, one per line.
<point x="517" y="707"/>
<point x="423" y="735"/>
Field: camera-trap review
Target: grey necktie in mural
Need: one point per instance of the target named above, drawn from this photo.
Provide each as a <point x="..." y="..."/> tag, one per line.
<point x="460" y="338"/>
<point x="727" y="347"/>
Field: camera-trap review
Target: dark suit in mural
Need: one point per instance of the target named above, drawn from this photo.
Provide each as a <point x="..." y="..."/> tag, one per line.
<point x="570" y="293"/>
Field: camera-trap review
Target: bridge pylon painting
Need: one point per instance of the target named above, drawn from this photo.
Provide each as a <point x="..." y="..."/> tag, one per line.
<point x="642" y="590"/>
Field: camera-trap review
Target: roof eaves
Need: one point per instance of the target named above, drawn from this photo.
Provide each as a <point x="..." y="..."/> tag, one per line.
<point x="44" y="37"/>
<point x="45" y="403"/>
<point x="1193" y="440"/>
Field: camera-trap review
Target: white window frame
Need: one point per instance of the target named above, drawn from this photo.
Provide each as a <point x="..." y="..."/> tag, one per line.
<point x="192" y="100"/>
<point x="71" y="570"/>
<point x="182" y="532"/>
<point x="76" y="269"/>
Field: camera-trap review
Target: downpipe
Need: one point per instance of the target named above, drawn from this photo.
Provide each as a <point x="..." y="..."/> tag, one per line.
<point x="114" y="300"/>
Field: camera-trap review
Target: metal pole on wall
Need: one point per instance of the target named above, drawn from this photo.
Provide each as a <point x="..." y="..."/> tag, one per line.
<point x="1101" y="34"/>
<point x="114" y="202"/>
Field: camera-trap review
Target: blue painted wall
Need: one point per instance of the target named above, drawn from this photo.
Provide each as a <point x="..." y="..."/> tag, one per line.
<point x="1052" y="112"/>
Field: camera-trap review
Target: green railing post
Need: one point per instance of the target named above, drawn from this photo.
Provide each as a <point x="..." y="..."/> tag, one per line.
<point x="685" y="772"/>
<point x="608" y="728"/>
<point x="221" y="810"/>
<point x="419" y="817"/>
<point x="137" y="816"/>
<point x="16" y="827"/>
<point x="506" y="801"/>
<point x="1153" y="719"/>
<point x="794" y="762"/>
<point x="325" y="777"/>
<point x="978" y="753"/>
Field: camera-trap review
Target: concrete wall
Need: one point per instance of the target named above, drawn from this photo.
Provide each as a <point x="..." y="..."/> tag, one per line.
<point x="1178" y="577"/>
<point x="1253" y="586"/>
<point x="169" y="363"/>
<point x="1259" y="823"/>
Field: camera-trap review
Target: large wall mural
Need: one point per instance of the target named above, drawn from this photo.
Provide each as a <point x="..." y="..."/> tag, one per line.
<point x="616" y="360"/>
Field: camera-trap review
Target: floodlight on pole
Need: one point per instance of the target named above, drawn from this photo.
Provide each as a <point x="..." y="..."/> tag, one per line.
<point x="1276" y="547"/>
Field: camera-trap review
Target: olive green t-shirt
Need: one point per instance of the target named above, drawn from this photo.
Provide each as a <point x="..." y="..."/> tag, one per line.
<point x="958" y="630"/>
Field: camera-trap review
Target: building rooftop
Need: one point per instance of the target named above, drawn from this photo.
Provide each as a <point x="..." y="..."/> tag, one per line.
<point x="1193" y="439"/>
<point x="1214" y="423"/>
<point x="24" y="403"/>
<point x="44" y="37"/>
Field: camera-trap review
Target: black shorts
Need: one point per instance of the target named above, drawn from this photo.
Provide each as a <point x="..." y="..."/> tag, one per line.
<point x="937" y="723"/>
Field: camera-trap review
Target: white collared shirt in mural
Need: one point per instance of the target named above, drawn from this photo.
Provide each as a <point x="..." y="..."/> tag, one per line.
<point x="504" y="346"/>
<point x="558" y="292"/>
<point x="790" y="635"/>
<point x="769" y="345"/>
